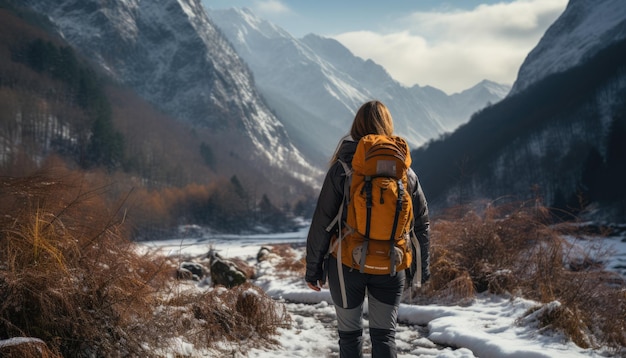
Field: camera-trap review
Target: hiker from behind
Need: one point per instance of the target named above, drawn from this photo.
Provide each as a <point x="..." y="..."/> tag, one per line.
<point x="370" y="232"/>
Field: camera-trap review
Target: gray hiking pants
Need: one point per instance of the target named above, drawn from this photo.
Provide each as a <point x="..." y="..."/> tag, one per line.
<point x="383" y="295"/>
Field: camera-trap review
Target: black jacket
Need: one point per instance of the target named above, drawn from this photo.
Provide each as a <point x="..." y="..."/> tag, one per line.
<point x="330" y="198"/>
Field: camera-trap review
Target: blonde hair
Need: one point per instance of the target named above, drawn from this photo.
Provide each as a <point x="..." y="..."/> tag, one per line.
<point x="372" y="117"/>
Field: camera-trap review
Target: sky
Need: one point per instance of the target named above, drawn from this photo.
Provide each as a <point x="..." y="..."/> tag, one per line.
<point x="450" y="45"/>
<point x="488" y="326"/>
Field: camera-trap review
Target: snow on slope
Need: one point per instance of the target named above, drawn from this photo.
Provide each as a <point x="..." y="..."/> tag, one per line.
<point x="488" y="326"/>
<point x="321" y="80"/>
<point x="584" y="28"/>
<point x="172" y="55"/>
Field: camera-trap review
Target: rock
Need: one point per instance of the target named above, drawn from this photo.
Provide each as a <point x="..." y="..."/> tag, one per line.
<point x="225" y="273"/>
<point x="263" y="254"/>
<point x="197" y="270"/>
<point x="183" y="274"/>
<point x="25" y="347"/>
<point x="228" y="273"/>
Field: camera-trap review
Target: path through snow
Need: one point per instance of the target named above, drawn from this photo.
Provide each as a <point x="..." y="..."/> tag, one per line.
<point x="486" y="327"/>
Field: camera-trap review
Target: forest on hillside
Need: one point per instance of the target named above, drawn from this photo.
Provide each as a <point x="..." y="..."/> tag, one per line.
<point x="59" y="110"/>
<point x="587" y="168"/>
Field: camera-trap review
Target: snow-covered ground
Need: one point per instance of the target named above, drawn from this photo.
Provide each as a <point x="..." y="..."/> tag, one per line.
<point x="487" y="327"/>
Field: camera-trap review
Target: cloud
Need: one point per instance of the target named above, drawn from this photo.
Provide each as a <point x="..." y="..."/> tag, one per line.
<point x="271" y="7"/>
<point x="455" y="49"/>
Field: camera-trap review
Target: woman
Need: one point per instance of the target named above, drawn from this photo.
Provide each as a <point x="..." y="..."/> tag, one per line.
<point x="384" y="291"/>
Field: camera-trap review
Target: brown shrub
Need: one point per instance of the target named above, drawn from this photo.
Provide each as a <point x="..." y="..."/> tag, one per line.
<point x="68" y="274"/>
<point x="70" y="277"/>
<point x="459" y="289"/>
<point x="27" y="348"/>
<point x="289" y="262"/>
<point x="555" y="316"/>
<point x="242" y="315"/>
<point x="515" y="249"/>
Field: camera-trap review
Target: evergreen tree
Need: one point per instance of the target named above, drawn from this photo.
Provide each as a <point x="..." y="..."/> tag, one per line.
<point x="592" y="174"/>
<point x="238" y="188"/>
<point x="616" y="159"/>
<point x="106" y="145"/>
<point x="207" y="155"/>
<point x="39" y="54"/>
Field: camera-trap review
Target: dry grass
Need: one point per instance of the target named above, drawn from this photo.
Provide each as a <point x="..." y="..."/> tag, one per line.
<point x="290" y="262"/>
<point x="242" y="315"/>
<point x="28" y="348"/>
<point x="70" y="277"/>
<point x="514" y="249"/>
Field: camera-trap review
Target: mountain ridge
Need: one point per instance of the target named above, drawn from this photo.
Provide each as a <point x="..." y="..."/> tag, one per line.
<point x="322" y="79"/>
<point x="560" y="140"/>
<point x="582" y="30"/>
<point x="173" y="56"/>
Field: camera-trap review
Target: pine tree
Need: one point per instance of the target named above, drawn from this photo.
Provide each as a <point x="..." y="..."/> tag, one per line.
<point x="616" y="160"/>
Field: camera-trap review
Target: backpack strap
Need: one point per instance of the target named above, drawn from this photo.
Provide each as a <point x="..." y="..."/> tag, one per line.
<point x="392" y="239"/>
<point x="346" y="195"/>
<point x="417" y="278"/>
<point x="338" y="220"/>
<point x="368" y="205"/>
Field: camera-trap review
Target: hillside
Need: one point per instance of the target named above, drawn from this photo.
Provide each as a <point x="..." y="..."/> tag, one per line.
<point x="560" y="140"/>
<point x="59" y="110"/>
<point x="171" y="55"/>
<point x="584" y="29"/>
<point x="315" y="85"/>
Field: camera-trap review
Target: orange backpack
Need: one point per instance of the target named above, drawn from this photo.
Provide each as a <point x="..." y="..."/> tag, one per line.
<point x="375" y="236"/>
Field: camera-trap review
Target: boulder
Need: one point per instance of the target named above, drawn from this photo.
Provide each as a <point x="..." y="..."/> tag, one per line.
<point x="263" y="254"/>
<point x="225" y="272"/>
<point x="197" y="270"/>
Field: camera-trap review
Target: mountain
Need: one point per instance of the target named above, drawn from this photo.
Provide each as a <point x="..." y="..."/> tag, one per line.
<point x="559" y="136"/>
<point x="171" y="54"/>
<point x="581" y="31"/>
<point x="315" y="85"/>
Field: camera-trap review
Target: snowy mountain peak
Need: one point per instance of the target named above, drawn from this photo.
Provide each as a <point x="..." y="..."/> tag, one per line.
<point x="584" y="28"/>
<point x="315" y="85"/>
<point x="253" y="23"/>
<point x="496" y="89"/>
<point x="171" y="54"/>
